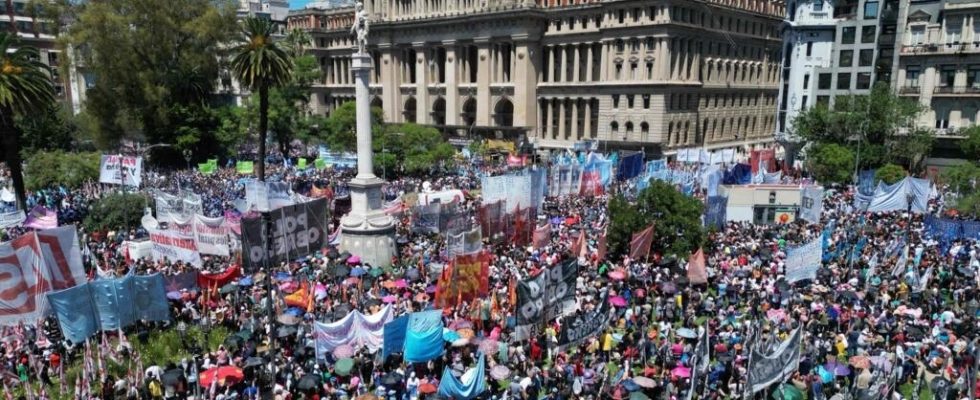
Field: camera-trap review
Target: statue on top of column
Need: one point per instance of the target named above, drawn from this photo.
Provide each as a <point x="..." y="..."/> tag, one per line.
<point x="360" y="28"/>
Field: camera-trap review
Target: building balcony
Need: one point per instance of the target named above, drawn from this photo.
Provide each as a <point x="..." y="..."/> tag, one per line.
<point x="941" y="49"/>
<point x="909" y="90"/>
<point x="973" y="90"/>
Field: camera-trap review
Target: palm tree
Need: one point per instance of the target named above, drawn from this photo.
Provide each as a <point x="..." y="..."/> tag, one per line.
<point x="25" y="87"/>
<point x="297" y="40"/>
<point x="260" y="64"/>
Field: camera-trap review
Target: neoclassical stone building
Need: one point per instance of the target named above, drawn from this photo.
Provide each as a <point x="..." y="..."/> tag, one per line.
<point x="654" y="74"/>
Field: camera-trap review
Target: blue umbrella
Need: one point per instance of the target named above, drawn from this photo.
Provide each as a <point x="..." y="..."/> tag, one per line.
<point x="246" y="281"/>
<point x="630" y="386"/>
<point x="450" y="335"/>
<point x="282" y="276"/>
<point x="294" y="311"/>
<point x="357" y="271"/>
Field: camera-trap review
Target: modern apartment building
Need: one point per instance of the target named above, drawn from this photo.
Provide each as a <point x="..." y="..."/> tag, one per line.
<point x="658" y="75"/>
<point x="939" y="61"/>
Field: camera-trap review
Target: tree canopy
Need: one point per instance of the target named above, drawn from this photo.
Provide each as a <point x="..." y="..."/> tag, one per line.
<point x="830" y="162"/>
<point x="677" y="220"/>
<point x="890" y="173"/>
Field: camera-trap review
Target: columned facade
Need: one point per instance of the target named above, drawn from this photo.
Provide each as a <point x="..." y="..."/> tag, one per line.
<point x="656" y="74"/>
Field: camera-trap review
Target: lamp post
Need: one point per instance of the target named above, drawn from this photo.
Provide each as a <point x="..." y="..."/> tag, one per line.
<point x="188" y="154"/>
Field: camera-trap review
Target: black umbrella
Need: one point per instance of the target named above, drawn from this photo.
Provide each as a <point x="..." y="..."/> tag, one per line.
<point x="344" y="255"/>
<point x="254" y="362"/>
<point x="372" y="302"/>
<point x="333" y="253"/>
<point x="172" y="377"/>
<point x="308" y="382"/>
<point x="229" y="288"/>
<point x="391" y="380"/>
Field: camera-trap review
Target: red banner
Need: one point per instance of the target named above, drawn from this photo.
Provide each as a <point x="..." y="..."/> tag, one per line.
<point x="218" y="280"/>
<point x="465" y="279"/>
<point x="641" y="242"/>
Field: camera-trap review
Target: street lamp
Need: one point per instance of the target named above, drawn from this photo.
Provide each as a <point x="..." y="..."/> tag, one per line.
<point x="187" y="156"/>
<point x="206" y="328"/>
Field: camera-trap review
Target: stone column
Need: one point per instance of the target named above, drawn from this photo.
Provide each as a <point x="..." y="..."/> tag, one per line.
<point x="577" y="49"/>
<point x="588" y="62"/>
<point x="483" y="106"/>
<point x="549" y="128"/>
<point x="389" y="83"/>
<point x="421" y="83"/>
<point x="574" y="120"/>
<point x="604" y="60"/>
<point x="561" y="119"/>
<point x="452" y="83"/>
<point x="524" y="72"/>
<point x="587" y="120"/>
<point x="551" y="63"/>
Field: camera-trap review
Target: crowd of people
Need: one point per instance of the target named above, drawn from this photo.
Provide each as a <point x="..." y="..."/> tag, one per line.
<point x="890" y="306"/>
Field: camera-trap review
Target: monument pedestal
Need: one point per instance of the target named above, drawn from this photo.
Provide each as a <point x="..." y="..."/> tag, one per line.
<point x="367" y="232"/>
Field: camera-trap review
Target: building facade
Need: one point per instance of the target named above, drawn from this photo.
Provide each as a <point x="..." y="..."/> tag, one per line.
<point x="939" y="62"/>
<point x="659" y="75"/>
<point x="25" y="19"/>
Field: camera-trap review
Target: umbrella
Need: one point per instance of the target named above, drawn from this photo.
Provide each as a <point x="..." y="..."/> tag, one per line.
<point x="617" y="301"/>
<point x="862" y="362"/>
<point x="282" y="276"/>
<point x="308" y="382"/>
<point x="343" y="366"/>
<point x="254" y="362"/>
<point x="289" y="287"/>
<point x="357" y="271"/>
<point x="372" y="302"/>
<point x="639" y="396"/>
<point x="391" y="379"/>
<point x="837" y="369"/>
<point x="412" y="274"/>
<point x="489" y="346"/>
<point x="401" y="284"/>
<point x="428" y="388"/>
<point x="284" y="331"/>
<point x="645" y="382"/>
<point x="233" y="342"/>
<point x="229" y="288"/>
<point x="825" y="375"/>
<point x="617" y="275"/>
<point x="353" y="260"/>
<point x="500" y="372"/>
<point x="343" y="351"/>
<point x="246" y="281"/>
<point x="172" y="377"/>
<point x="681" y="372"/>
<point x="389" y="299"/>
<point x="687" y="333"/>
<point x="226" y="375"/>
<point x="288" y="319"/>
<point x="376" y="272"/>
<point x="344" y="255"/>
<point x="340" y="271"/>
<point x="245" y="334"/>
<point x="174" y="295"/>
<point x="787" y="392"/>
<point x="430" y="289"/>
<point x="332" y="253"/>
<point x="630" y="386"/>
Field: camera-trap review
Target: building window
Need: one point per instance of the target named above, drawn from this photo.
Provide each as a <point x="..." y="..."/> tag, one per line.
<point x="942" y="119"/>
<point x="634" y="45"/>
<point x="646" y="102"/>
<point x="817" y="6"/>
<point x="947" y="75"/>
<point x="803" y="103"/>
<point x="614" y="127"/>
<point x="629" y="101"/>
<point x="621" y="15"/>
<point x="649" y="43"/>
<point x="868" y="33"/>
<point x="864" y="80"/>
<point x="620" y="46"/>
<point x="806" y="81"/>
<point x="917" y="35"/>
<point x="848" y="35"/>
<point x="866" y="57"/>
<point x="823" y="100"/>
<point x="824" y="81"/>
<point x="619" y="71"/>
<point x="809" y="49"/>
<point x="912" y="76"/>
<point x="633" y="68"/>
<point x="953" y="29"/>
<point x="844" y="81"/>
<point x="649" y="70"/>
<point x="870" y="10"/>
<point x="846" y="58"/>
<point x="615" y="98"/>
<point x="973" y="76"/>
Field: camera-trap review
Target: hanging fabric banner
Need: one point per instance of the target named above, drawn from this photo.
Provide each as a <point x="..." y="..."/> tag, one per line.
<point x="812" y="203"/>
<point x="545" y="297"/>
<point x="211" y="235"/>
<point x="355" y="329"/>
<point x="117" y="170"/>
<point x="174" y="246"/>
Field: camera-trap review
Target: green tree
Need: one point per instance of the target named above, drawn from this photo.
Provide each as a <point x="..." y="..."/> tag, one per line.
<point x="115" y="211"/>
<point x="971" y="143"/>
<point x="53" y="128"/>
<point x="25" y="89"/>
<point x="676" y="218"/>
<point x="963" y="180"/>
<point x="890" y="173"/>
<point x="415" y="147"/>
<point x="830" y="163"/>
<point x="152" y="62"/>
<point x="261" y="64"/>
<point x="873" y="125"/>
<point x="47" y="169"/>
<point x="342" y="126"/>
<point x="288" y="104"/>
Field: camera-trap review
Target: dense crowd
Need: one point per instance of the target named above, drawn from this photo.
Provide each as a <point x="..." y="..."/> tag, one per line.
<point x="868" y="326"/>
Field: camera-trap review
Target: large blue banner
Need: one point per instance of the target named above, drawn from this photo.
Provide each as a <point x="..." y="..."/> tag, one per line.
<point x="971" y="230"/>
<point x="114" y="302"/>
<point x="866" y="182"/>
<point x="630" y="166"/>
<point x="394" y="334"/>
<point x="423" y="338"/>
<point x="471" y="385"/>
<point x="151" y="298"/>
<point x="716" y="210"/>
<point x="75" y="312"/>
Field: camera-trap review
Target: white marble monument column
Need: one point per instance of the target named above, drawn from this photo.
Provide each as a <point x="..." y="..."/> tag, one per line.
<point x="366" y="232"/>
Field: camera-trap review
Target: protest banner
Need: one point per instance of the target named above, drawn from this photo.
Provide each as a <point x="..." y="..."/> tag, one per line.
<point x="120" y="170"/>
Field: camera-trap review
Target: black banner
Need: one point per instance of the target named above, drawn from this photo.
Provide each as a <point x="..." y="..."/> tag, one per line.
<point x="300" y="230"/>
<point x="587" y="325"/>
<point x="425" y="219"/>
<point x="546" y="296"/>
<point x="766" y="369"/>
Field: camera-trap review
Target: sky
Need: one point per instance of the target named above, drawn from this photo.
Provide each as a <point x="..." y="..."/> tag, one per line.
<point x="294" y="4"/>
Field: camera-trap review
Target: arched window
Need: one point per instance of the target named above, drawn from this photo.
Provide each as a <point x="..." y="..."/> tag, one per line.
<point x="614" y="127"/>
<point x="439" y="111"/>
<point x="409" y="110"/>
<point x="503" y="113"/>
<point x="629" y="129"/>
<point x="469" y="111"/>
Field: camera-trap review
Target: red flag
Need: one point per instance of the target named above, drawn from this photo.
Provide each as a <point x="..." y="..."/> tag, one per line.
<point x="696" y="272"/>
<point x="641" y="242"/>
<point x="579" y="245"/>
<point x="602" y="245"/>
<point x="542" y="236"/>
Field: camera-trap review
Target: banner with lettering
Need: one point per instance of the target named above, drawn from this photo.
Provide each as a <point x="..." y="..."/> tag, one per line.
<point x="121" y="170"/>
<point x="467" y="278"/>
<point x="355" y="329"/>
<point x="812" y="203"/>
<point x="776" y="366"/>
<point x="26" y="279"/>
<point x="584" y="326"/>
<point x="803" y="262"/>
<point x="170" y="207"/>
<point x="545" y="297"/>
<point x="175" y="245"/>
<point x="211" y="235"/>
<point x="299" y="230"/>
<point x="467" y="242"/>
<point x="62" y="256"/>
<point x="12" y="219"/>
